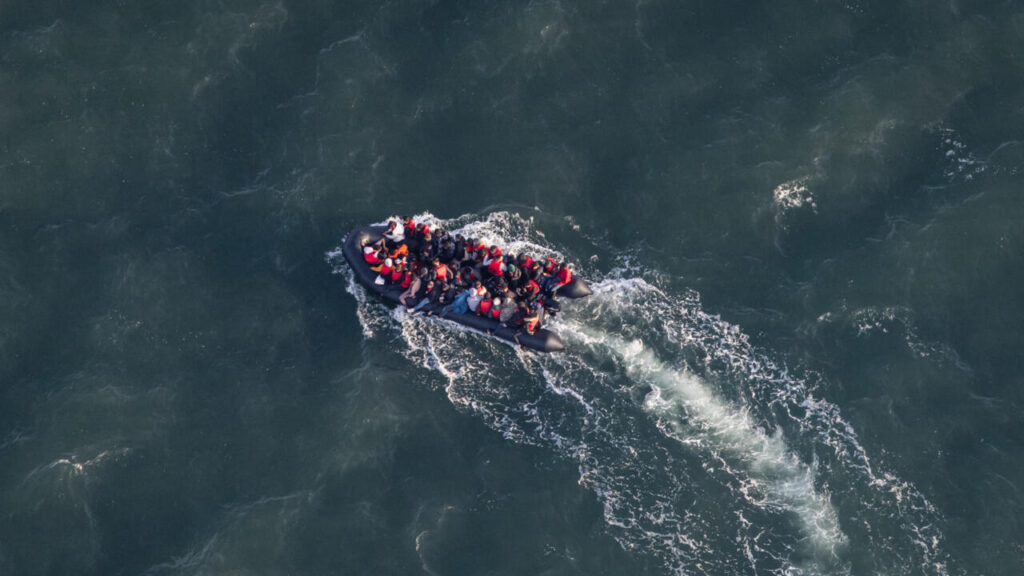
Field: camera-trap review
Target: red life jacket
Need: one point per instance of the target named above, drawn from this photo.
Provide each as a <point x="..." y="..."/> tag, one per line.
<point x="531" y="326"/>
<point x="371" y="256"/>
<point x="550" y="265"/>
<point x="385" y="270"/>
<point x="564" y="276"/>
<point x="495" y="267"/>
<point x="396" y="275"/>
<point x="410" y="228"/>
<point x="533" y="287"/>
<point x="485" y="306"/>
<point x="528" y="262"/>
<point x="495" y="313"/>
<point x="407" y="279"/>
<point x="442" y="272"/>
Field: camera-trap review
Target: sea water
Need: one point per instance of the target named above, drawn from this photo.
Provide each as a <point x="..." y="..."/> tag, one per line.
<point x="802" y="222"/>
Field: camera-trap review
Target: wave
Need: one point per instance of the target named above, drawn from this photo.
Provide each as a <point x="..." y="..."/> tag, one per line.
<point x="706" y="455"/>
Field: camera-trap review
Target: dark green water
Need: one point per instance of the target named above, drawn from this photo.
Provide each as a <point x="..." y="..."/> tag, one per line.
<point x="802" y="219"/>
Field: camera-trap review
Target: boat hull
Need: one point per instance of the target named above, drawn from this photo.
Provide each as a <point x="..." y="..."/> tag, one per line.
<point x="542" y="340"/>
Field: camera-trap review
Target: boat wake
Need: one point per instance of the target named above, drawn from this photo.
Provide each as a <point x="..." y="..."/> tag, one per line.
<point x="706" y="456"/>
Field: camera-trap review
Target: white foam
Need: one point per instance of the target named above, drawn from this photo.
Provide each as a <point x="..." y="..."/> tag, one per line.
<point x="638" y="354"/>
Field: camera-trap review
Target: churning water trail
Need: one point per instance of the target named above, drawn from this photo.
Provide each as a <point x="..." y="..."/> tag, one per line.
<point x="683" y="432"/>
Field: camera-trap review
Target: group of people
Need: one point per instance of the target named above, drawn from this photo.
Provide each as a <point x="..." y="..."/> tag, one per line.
<point x="441" y="273"/>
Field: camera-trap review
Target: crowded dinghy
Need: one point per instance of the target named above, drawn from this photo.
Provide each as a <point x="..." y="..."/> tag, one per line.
<point x="432" y="272"/>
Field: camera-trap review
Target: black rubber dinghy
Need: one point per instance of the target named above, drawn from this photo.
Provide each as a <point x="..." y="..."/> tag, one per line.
<point x="541" y="340"/>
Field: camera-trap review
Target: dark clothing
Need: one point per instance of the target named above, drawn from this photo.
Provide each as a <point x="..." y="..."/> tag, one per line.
<point x="460" y="250"/>
<point x="447" y="253"/>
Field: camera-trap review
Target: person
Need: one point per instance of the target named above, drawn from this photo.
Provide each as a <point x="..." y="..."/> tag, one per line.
<point x="496" y="267"/>
<point x="476" y="295"/>
<point x="491" y="254"/>
<point x="559" y="276"/>
<point x="441" y="271"/>
<point x="531" y="321"/>
<point x="447" y="253"/>
<point x="441" y="296"/>
<point x="373" y="254"/>
<point x="459" y="305"/>
<point x="495" y="312"/>
<point x="476" y="250"/>
<point x="412" y="293"/>
<point x="529" y="291"/>
<point x="395" y="234"/>
<point x="386" y="267"/>
<point x="430" y="294"/>
<point x="513" y="274"/>
<point x="407" y="277"/>
<point x="484" y="309"/>
<point x="400" y="252"/>
<point x="467" y="276"/>
<point x="563" y="276"/>
<point x="460" y="248"/>
<point x="398" y="274"/>
<point x="427" y="248"/>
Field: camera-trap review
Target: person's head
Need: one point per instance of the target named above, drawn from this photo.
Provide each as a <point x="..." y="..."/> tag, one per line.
<point x="477" y="284"/>
<point x="496" y="303"/>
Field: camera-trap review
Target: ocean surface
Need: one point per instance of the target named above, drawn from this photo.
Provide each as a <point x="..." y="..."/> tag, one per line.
<point x="803" y="221"/>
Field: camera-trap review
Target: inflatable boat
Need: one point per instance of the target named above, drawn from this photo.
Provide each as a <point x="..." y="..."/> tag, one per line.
<point x="542" y="340"/>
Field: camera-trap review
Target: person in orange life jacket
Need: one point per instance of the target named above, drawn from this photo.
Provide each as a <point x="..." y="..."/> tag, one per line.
<point x="400" y="251"/>
<point x="559" y="276"/>
<point x="529" y="291"/>
<point x="476" y="249"/>
<point x="397" y="273"/>
<point x="496" y="267"/>
<point x="476" y="295"/>
<point x="547" y="278"/>
<point x="373" y="254"/>
<point x="385" y="268"/>
<point x="531" y="269"/>
<point x="491" y="254"/>
<point x="485" y="306"/>
<point x="563" y="275"/>
<point x="496" y="309"/>
<point x="407" y="278"/>
<point x="441" y="272"/>
<point x="414" y="292"/>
